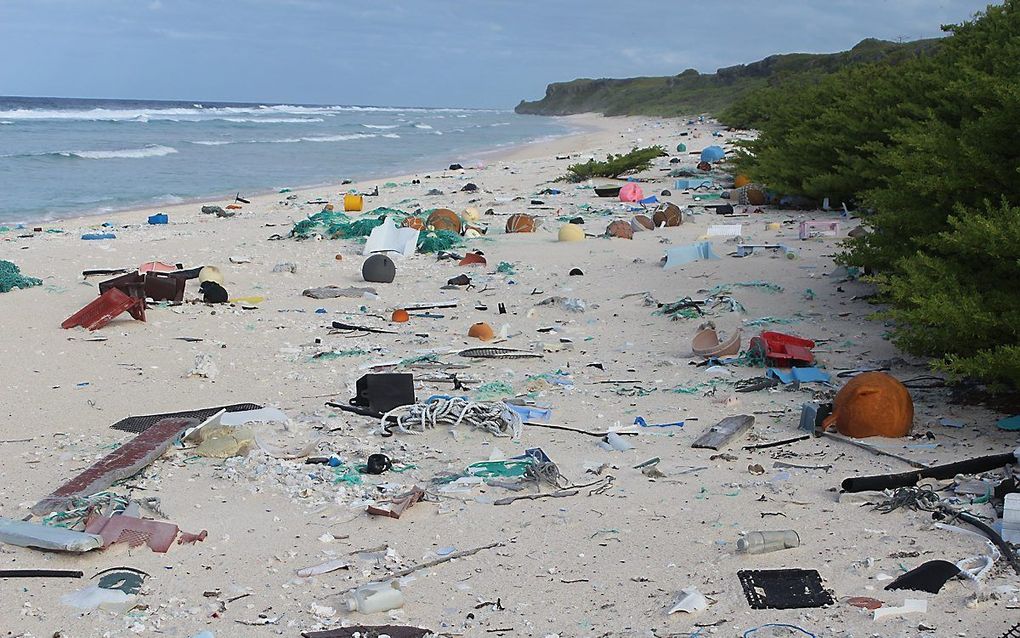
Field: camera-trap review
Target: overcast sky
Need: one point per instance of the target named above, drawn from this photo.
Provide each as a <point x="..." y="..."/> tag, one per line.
<point x="472" y="53"/>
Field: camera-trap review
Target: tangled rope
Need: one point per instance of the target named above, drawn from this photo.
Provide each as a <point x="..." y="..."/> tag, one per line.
<point x="494" y="417"/>
<point x="921" y="498"/>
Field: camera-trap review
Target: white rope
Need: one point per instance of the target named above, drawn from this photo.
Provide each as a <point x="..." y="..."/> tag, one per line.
<point x="974" y="568"/>
<point x="494" y="417"/>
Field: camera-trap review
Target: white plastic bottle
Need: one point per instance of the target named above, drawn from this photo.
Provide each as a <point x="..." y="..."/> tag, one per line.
<point x="371" y="599"/>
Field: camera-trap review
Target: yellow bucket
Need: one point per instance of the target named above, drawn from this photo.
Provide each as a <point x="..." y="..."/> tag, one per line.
<point x="353" y="203"/>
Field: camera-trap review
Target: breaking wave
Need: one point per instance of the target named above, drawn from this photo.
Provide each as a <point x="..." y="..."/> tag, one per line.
<point x="152" y="150"/>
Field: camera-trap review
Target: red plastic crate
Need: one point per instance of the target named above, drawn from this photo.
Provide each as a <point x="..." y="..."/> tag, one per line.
<point x="103" y="309"/>
<point x="783" y="350"/>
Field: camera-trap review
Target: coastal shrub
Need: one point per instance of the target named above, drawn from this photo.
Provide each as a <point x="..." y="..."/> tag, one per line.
<point x="930" y="151"/>
<point x="959" y="301"/>
<point x="639" y="159"/>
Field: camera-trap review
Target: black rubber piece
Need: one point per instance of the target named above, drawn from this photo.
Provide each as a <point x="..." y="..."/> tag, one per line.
<point x="39" y="573"/>
<point x="929" y="577"/>
<point x="907" y="479"/>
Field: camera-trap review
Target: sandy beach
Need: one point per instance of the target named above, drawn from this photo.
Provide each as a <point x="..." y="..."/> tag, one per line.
<point x="606" y="561"/>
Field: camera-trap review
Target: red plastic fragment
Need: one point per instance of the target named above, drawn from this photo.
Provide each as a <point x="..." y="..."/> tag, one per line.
<point x="104" y="309"/>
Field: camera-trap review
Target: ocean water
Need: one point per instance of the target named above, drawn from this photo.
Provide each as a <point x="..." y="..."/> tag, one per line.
<point x="61" y="157"/>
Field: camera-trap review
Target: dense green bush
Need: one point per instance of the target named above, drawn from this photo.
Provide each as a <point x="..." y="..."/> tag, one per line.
<point x="639" y="159"/>
<point x="930" y="149"/>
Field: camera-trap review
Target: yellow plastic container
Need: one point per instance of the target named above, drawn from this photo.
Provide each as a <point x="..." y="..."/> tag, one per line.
<point x="353" y="203"/>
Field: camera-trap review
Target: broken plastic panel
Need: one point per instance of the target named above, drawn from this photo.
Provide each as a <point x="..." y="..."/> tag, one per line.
<point x="387" y="238"/>
<point x="784" y="589"/>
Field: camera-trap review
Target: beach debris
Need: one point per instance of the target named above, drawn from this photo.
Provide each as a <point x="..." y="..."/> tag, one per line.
<point x="689" y="601"/>
<point x="379" y="269"/>
<point x="205" y="367"/>
<point x="620" y="229"/>
<point x="872" y="404"/>
<point x="371" y="631"/>
<point x="383" y="392"/>
<point x="499" y="353"/>
<point x="286" y="266"/>
<point x="353" y="203"/>
<point x="104" y="309"/>
<point x="521" y="223"/>
<point x="11" y="277"/>
<point x="930" y="577"/>
<point x="782" y="350"/>
<point x="121" y="528"/>
<point x="571" y="232"/>
<point x="125" y="461"/>
<point x="139" y="424"/>
<point x="213" y="292"/>
<point x="445" y="219"/>
<point x="680" y="255"/>
<point x="387" y="238"/>
<point x="707" y="343"/>
<point x="475" y="258"/>
<point x="333" y="292"/>
<point x="821" y="228"/>
<point x="324" y="568"/>
<point x="784" y="588"/>
<point x="213" y="210"/>
<point x="763" y="542"/>
<point x="397" y="505"/>
<point x="724" y="432"/>
<point x="493" y="417"/>
<point x="910" y="606"/>
<point x="39" y="536"/>
<point x="375" y="598"/>
<point x="481" y="331"/>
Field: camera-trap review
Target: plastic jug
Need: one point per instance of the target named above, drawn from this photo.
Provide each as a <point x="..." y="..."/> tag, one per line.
<point x="762" y="542"/>
<point x="370" y="599"/>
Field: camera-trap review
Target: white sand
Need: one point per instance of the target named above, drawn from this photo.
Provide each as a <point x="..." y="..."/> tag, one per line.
<point x="628" y="551"/>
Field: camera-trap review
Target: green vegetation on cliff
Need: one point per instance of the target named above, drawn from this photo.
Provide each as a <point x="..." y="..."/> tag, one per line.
<point x="691" y="92"/>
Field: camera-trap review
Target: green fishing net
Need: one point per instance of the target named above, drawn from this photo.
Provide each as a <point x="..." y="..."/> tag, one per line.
<point x="11" y="278"/>
<point x="437" y="240"/>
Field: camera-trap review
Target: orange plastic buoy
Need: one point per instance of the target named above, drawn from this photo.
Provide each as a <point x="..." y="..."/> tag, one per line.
<point x="642" y="222"/>
<point x="741" y="180"/>
<point x="667" y="214"/>
<point x="482" y="331"/>
<point x="620" y="229"/>
<point x="872" y="404"/>
<point x="233" y="207"/>
<point x="445" y="219"/>
<point x="520" y="223"/>
<point x="471" y="259"/>
<point x="400" y="316"/>
<point x="416" y="223"/>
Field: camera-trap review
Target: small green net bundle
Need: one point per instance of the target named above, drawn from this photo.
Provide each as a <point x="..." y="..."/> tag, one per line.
<point x="11" y="278"/>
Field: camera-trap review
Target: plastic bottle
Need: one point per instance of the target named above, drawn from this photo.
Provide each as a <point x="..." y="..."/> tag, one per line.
<point x="376" y="597"/>
<point x="762" y="542"/>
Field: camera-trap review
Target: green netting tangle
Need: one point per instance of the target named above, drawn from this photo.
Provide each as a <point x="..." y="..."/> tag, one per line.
<point x="11" y="278"/>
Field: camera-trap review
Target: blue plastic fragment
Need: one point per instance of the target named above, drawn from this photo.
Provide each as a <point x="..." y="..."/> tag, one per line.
<point x="1010" y="423"/>
<point x="641" y="422"/>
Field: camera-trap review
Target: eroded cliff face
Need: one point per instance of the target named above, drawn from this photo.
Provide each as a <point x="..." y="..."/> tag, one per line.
<point x="693" y="92"/>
